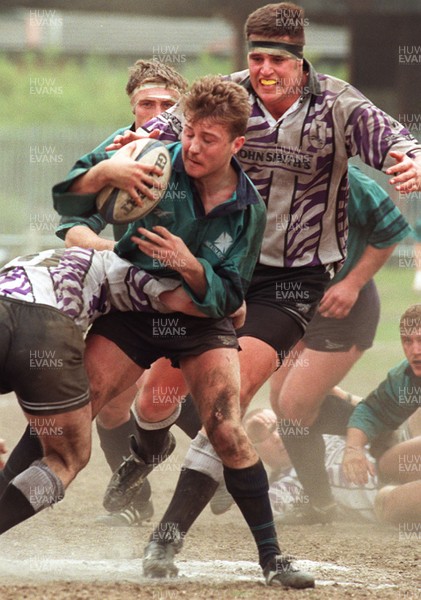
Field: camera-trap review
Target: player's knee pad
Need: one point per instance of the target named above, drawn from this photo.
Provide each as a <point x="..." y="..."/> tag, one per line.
<point x="202" y="457"/>
<point x="40" y="485"/>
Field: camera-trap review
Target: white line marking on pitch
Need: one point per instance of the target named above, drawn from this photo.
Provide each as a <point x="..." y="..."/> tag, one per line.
<point x="130" y="570"/>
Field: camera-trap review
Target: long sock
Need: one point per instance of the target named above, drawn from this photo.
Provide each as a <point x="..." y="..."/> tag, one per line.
<point x="333" y="416"/>
<point x="116" y="447"/>
<point x="115" y="442"/>
<point x="14" y="508"/>
<point x="30" y="492"/>
<point x="22" y="456"/>
<point x="188" y="419"/>
<point x="152" y="437"/>
<point x="192" y="493"/>
<point x="249" y="487"/>
<point x="151" y="442"/>
<point x="306" y="447"/>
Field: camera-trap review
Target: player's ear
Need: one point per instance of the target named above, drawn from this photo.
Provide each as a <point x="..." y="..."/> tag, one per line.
<point x="238" y="143"/>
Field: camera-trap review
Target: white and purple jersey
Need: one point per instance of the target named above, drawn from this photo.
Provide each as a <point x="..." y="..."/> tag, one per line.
<point x="299" y="164"/>
<point x="81" y="283"/>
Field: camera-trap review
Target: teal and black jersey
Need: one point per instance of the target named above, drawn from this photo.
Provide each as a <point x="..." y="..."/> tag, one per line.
<point x="390" y="404"/>
<point x="374" y="220"/>
<point x="226" y="240"/>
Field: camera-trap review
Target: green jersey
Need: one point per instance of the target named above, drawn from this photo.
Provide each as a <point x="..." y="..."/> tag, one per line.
<point x="226" y="241"/>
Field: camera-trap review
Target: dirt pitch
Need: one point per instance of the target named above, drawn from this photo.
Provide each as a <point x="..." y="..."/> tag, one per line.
<point x="63" y="554"/>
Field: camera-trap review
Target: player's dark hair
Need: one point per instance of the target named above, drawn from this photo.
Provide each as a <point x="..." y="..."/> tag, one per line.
<point x="283" y="19"/>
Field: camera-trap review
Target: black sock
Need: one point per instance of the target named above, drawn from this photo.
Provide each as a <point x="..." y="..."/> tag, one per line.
<point x="14" y="508"/>
<point x="192" y="493"/>
<point x="306" y="449"/>
<point x="249" y="487"/>
<point x="333" y="416"/>
<point x="188" y="419"/>
<point x="115" y="442"/>
<point x="3" y="482"/>
<point x="116" y="447"/>
<point x="22" y="456"/>
<point x="151" y="442"/>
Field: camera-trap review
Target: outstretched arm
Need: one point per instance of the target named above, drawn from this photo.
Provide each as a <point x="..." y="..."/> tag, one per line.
<point x="82" y="236"/>
<point x="355" y="464"/>
<point x="178" y="300"/>
<point x="406" y="174"/>
<point x="128" y="136"/>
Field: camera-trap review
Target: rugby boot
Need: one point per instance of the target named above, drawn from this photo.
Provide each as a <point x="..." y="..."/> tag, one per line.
<point x="281" y="572"/>
<point x="135" y="515"/>
<point x="130" y="475"/>
<point x="158" y="560"/>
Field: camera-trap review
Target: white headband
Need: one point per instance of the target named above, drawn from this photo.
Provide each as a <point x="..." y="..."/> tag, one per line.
<point x="169" y="94"/>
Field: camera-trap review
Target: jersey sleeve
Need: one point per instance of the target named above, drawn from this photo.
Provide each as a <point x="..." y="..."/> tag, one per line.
<point x="168" y="123"/>
<point x="371" y="208"/>
<point x="370" y="132"/>
<point x="386" y="408"/>
<point x="95" y="222"/>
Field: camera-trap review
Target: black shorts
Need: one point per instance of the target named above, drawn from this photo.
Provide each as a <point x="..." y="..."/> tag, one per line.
<point x="146" y="337"/>
<point x="41" y="358"/>
<point x="357" y="329"/>
<point x="280" y="304"/>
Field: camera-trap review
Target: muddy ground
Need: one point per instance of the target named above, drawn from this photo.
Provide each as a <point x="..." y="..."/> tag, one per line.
<point x="63" y="553"/>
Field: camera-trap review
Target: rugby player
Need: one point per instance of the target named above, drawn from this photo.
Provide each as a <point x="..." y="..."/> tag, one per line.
<point x="221" y="218"/>
<point x="47" y="302"/>
<point x="338" y="335"/>
<point x="383" y="410"/>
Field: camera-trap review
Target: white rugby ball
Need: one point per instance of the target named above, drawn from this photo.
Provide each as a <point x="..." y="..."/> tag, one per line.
<point x="116" y="205"/>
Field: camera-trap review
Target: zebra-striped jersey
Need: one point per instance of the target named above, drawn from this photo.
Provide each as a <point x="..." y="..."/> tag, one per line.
<point x="81" y="283"/>
<point x="299" y="164"/>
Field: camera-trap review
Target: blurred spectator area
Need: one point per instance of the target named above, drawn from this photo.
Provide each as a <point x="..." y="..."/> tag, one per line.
<point x="34" y="158"/>
<point x="82" y="33"/>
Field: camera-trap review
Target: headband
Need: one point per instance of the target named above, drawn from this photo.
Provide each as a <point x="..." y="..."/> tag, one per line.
<point x="165" y="94"/>
<point x="276" y="48"/>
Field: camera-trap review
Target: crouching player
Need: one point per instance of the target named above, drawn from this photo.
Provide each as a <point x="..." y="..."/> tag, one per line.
<point x="47" y="302"/>
<point x="385" y="409"/>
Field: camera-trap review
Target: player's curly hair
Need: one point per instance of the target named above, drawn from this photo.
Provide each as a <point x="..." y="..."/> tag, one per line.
<point x="411" y="319"/>
<point x="153" y="71"/>
<point x="219" y="100"/>
<point x="283" y="19"/>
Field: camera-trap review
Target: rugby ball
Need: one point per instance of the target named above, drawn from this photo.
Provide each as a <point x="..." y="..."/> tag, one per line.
<point x="116" y="205"/>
